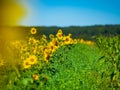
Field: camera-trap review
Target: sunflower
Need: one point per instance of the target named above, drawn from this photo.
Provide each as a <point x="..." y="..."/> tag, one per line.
<point x="44" y="37"/>
<point x="55" y="41"/>
<point x="67" y="40"/>
<point x="51" y="36"/>
<point x="52" y="47"/>
<point x="32" y="40"/>
<point x="75" y="41"/>
<point x="26" y="64"/>
<point x="35" y="76"/>
<point x="60" y="31"/>
<point x="47" y="57"/>
<point x="16" y="44"/>
<point x="89" y="42"/>
<point x="59" y="36"/>
<point x="24" y="48"/>
<point x="32" y="59"/>
<point x="81" y="41"/>
<point x="34" y="50"/>
<point x="69" y="34"/>
<point x="33" y="30"/>
<point x="47" y="51"/>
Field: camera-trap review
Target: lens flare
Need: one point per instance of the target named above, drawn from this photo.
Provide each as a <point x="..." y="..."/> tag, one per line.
<point x="11" y="13"/>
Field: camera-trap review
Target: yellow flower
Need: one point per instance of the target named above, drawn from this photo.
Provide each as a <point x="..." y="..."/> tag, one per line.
<point x="32" y="59"/>
<point x="34" y="50"/>
<point x="51" y="36"/>
<point x="89" y="42"/>
<point x="52" y="47"/>
<point x="59" y="31"/>
<point x="35" y="76"/>
<point x="61" y="44"/>
<point x="67" y="40"/>
<point x="59" y="36"/>
<point x="33" y="30"/>
<point x="44" y="48"/>
<point x="26" y="64"/>
<point x="81" y="41"/>
<point x="27" y="54"/>
<point x="32" y="40"/>
<point x="24" y="48"/>
<point x="55" y="42"/>
<point x="16" y="44"/>
<point x="46" y="57"/>
<point x="75" y="41"/>
<point x="44" y="37"/>
<point x="69" y="34"/>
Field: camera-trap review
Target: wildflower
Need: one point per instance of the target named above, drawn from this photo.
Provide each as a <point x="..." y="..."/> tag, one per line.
<point x="35" y="76"/>
<point x="32" y="59"/>
<point x="33" y="30"/>
<point x="26" y="64"/>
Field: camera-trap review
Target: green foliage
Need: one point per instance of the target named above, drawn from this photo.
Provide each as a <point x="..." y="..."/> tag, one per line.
<point x="74" y="67"/>
<point x="71" y="67"/>
<point x="110" y="49"/>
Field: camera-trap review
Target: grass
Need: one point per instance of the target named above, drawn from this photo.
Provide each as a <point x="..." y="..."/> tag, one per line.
<point x="74" y="68"/>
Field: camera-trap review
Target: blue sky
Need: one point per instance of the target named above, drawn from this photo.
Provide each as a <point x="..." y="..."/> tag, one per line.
<point x="71" y="12"/>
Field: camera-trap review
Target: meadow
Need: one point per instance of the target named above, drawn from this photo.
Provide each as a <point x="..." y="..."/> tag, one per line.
<point x="57" y="61"/>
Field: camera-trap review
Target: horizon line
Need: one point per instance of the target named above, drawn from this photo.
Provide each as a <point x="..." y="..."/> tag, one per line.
<point x="69" y="25"/>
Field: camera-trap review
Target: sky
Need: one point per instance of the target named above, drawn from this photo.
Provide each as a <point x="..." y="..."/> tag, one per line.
<point x="71" y="12"/>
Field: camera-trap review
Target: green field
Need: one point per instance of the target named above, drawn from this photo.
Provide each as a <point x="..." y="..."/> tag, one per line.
<point x="58" y="60"/>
